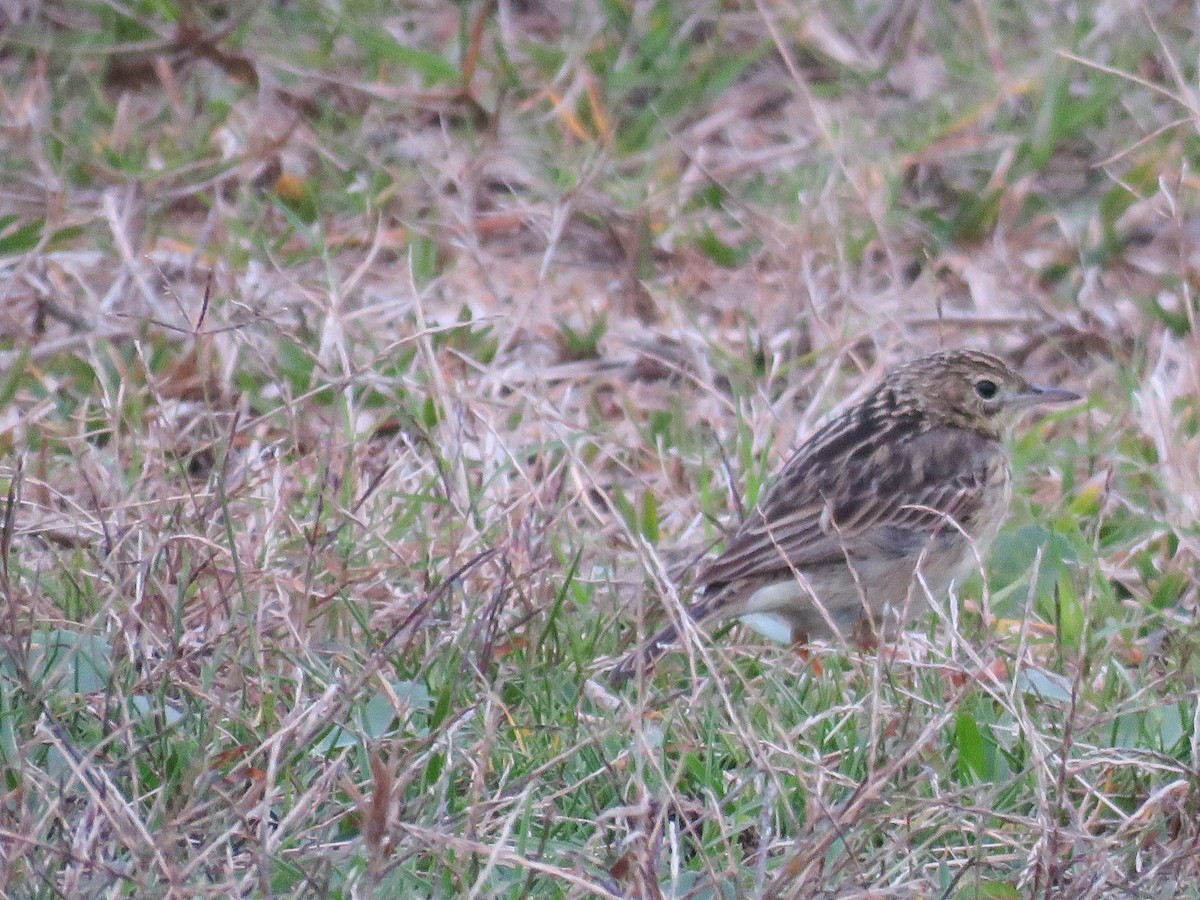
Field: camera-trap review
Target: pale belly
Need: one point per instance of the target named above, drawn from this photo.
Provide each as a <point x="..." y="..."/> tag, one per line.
<point x="889" y="590"/>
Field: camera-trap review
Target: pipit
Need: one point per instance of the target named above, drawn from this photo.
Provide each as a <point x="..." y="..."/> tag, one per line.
<point x="884" y="508"/>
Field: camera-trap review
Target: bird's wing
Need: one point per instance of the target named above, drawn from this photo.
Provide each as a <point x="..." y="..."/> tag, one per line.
<point x="880" y="497"/>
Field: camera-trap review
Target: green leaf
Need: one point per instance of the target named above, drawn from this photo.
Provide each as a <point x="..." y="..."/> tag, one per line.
<point x="337" y="738"/>
<point x="378" y="715"/>
<point x="22" y="239"/>
<point x="580" y="345"/>
<point x="296" y="364"/>
<point x="650" y="517"/>
<point x="1012" y="556"/>
<point x="1044" y="685"/>
<point x="972" y="755"/>
<point x="976" y="215"/>
<point x="429" y="413"/>
<point x="382" y="47"/>
<point x="11" y="379"/>
<point x="437" y="762"/>
<point x="293" y="193"/>
<point x="988" y="889"/>
<point x="423" y="258"/>
<point x="1173" y="721"/>
<point x="723" y="254"/>
<point x="145" y="707"/>
<point x="1068" y="611"/>
<point x="1113" y="204"/>
<point x="442" y="709"/>
<point x="1046" y="126"/>
<point x="82" y="661"/>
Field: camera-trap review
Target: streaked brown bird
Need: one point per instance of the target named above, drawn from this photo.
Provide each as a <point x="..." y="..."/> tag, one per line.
<point x="883" y="508"/>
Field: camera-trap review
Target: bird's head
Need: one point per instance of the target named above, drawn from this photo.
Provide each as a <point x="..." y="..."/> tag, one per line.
<point x="969" y="389"/>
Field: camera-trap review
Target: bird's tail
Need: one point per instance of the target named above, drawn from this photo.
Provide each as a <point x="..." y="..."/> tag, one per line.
<point x="645" y="656"/>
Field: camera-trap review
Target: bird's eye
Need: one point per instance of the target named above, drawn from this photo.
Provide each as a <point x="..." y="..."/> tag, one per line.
<point x="987" y="389"/>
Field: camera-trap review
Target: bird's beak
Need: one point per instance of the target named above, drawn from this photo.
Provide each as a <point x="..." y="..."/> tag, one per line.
<point x="1037" y="395"/>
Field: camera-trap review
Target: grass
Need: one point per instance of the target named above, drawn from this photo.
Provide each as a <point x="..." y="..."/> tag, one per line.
<point x="369" y="374"/>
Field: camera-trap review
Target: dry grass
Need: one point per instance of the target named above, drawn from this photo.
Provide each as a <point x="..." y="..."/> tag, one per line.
<point x="369" y="376"/>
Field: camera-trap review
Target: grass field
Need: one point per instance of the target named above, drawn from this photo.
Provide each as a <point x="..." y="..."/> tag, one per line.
<point x="371" y="374"/>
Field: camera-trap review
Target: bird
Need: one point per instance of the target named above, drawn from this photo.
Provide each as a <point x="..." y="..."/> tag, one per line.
<point x="883" y="508"/>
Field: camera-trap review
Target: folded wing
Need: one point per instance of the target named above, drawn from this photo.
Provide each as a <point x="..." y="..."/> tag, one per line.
<point x="888" y="498"/>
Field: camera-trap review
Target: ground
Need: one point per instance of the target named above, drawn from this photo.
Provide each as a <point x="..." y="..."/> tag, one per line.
<point x="372" y="375"/>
